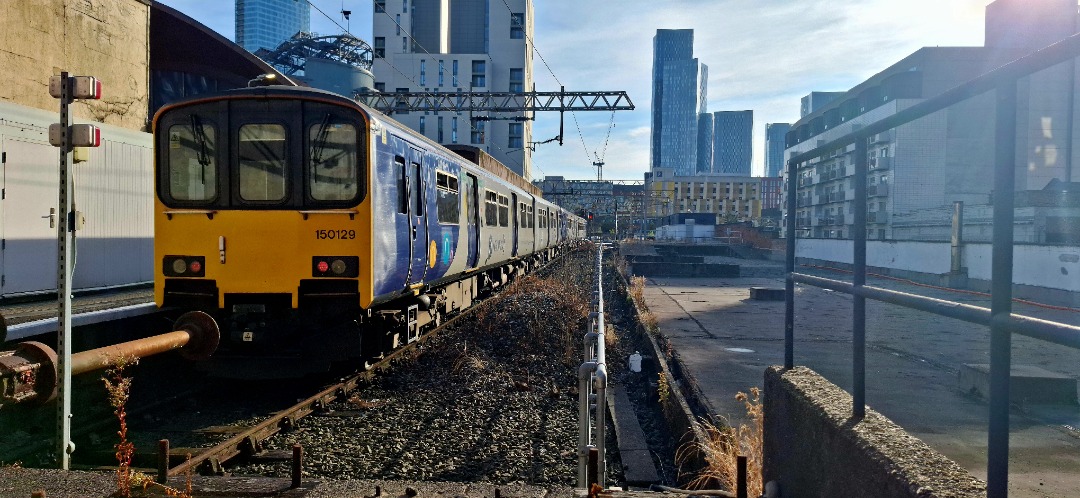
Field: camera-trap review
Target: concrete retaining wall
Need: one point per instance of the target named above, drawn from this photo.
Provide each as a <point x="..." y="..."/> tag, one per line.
<point x="813" y="447"/>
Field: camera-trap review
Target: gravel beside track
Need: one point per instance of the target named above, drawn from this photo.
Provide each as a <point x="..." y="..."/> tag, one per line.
<point x="492" y="400"/>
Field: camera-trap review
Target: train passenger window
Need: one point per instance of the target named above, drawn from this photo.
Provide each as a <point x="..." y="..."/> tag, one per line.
<point x="524" y="223"/>
<point x="504" y="211"/>
<point x="261" y="157"/>
<point x="402" y="184"/>
<point x="448" y="202"/>
<point x="542" y="217"/>
<point x="193" y="161"/>
<point x="332" y="162"/>
<point x="491" y="208"/>
<point x="532" y="219"/>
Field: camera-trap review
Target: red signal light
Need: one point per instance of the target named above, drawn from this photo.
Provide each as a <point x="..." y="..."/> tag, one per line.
<point x="195" y="266"/>
<point x="323" y="266"/>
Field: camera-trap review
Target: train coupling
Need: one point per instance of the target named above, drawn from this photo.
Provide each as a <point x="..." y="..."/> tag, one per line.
<point x="29" y="373"/>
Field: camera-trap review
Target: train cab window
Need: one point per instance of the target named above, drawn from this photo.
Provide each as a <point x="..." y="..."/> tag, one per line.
<point x="261" y="160"/>
<point x="491" y="208"/>
<point x="332" y="161"/>
<point x="192" y="161"/>
<point x="504" y="211"/>
<point x="448" y="202"/>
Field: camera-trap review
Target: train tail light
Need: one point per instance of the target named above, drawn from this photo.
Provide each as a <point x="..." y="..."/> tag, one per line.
<point x="183" y="266"/>
<point x="335" y="266"/>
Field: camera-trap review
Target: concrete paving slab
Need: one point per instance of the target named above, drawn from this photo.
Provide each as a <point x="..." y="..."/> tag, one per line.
<point x="725" y="340"/>
<point x="638" y="466"/>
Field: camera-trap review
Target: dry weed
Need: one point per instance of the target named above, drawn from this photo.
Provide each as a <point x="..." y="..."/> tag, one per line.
<point x="723" y="445"/>
<point x="118" y="386"/>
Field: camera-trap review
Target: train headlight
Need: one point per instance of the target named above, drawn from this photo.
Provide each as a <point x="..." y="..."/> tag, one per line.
<point x="183" y="266"/>
<point x="335" y="266"/>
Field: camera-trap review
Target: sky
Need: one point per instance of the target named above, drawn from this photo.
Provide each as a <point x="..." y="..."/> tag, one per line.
<point x="763" y="55"/>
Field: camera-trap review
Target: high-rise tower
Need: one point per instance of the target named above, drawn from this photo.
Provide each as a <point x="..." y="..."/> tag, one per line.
<point x="268" y="23"/>
<point x="679" y="95"/>
<point x="444" y="46"/>
<point x="732" y="146"/>
<point x="775" y="136"/>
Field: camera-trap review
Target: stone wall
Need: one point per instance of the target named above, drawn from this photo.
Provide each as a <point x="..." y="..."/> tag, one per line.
<point x="108" y="39"/>
<point x="813" y="447"/>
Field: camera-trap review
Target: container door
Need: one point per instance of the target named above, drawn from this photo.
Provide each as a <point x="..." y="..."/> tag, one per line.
<point x="417" y="218"/>
<point x="31" y="182"/>
<point x="472" y="217"/>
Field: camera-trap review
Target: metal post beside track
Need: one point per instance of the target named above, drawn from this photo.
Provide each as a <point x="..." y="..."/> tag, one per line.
<point x="592" y="392"/>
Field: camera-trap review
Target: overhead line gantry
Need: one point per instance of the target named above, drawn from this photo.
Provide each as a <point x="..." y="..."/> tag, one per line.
<point x="562" y="101"/>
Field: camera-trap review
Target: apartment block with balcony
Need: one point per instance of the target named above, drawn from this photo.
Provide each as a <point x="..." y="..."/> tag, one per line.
<point x="917" y="171"/>
<point x="466" y="45"/>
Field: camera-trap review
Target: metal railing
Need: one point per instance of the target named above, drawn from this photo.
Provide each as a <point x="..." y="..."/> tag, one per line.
<point x="592" y="391"/>
<point x="999" y="317"/>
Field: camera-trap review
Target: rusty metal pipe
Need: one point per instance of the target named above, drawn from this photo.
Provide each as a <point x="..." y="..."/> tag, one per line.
<point x="105" y="357"/>
<point x="29" y="372"/>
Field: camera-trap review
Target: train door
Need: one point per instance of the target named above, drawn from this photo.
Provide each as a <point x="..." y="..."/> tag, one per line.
<point x="418" y="228"/>
<point x="514" y="225"/>
<point x="29" y="214"/>
<point x="472" y="214"/>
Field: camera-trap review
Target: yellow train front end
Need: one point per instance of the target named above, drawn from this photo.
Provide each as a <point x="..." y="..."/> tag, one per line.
<point x="262" y="219"/>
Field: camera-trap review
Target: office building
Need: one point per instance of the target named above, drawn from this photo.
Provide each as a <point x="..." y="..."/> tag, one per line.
<point x="440" y="46"/>
<point x="268" y="23"/>
<point x="815" y="101"/>
<point x="679" y="96"/>
<point x="733" y="142"/>
<point x="917" y="171"/>
<point x="729" y="198"/>
<point x="775" y="137"/>
<point x="705" y="143"/>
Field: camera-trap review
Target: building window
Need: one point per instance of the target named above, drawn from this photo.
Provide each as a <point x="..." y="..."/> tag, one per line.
<point x="401" y="104"/>
<point x="422" y="127"/>
<point x="397" y="21"/>
<point x="440" y="129"/>
<point x="479" y="68"/>
<point x="423" y="72"/>
<point x="380" y="5"/>
<point x="440" y="72"/>
<point x="517" y="26"/>
<point x="380" y="86"/>
<point x="453" y="130"/>
<point x="380" y="47"/>
<point x="455" y="80"/>
<point x="478" y="133"/>
<point x="404" y="45"/>
<point x="514" y="140"/>
<point x="517" y="80"/>
<point x="405" y="7"/>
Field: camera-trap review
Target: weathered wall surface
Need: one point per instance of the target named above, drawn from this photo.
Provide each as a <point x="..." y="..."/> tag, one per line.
<point x="813" y="447"/>
<point x="108" y="39"/>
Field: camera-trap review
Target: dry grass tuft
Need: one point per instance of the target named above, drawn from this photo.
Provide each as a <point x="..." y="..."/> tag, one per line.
<point x="724" y="444"/>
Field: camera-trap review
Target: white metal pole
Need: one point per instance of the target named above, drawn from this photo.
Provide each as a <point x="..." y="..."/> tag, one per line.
<point x="64" y="241"/>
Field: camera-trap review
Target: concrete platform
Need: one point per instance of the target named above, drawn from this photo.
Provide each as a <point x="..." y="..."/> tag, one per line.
<point x="30" y="318"/>
<point x="1028" y="384"/>
<point x="724" y="340"/>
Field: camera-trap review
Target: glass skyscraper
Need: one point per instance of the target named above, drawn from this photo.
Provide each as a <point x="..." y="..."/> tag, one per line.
<point x="679" y="95"/>
<point x="268" y="23"/>
<point x="732" y="145"/>
<point x="775" y="134"/>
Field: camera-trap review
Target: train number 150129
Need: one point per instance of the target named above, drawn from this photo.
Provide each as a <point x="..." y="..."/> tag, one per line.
<point x="335" y="234"/>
